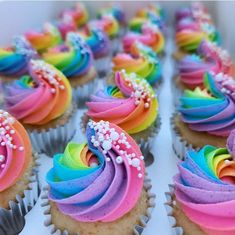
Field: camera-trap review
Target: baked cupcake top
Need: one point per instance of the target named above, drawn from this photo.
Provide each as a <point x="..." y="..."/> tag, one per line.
<point x="40" y="97"/>
<point x="100" y="180"/>
<point x="115" y="11"/>
<point x="14" y="60"/>
<point x="132" y="104"/>
<point x="209" y="58"/>
<point x="106" y="23"/>
<point x="205" y="188"/>
<point x="213" y="109"/>
<point x="189" y="39"/>
<point x="73" y="58"/>
<point x="150" y="35"/>
<point x="144" y="62"/>
<point x="79" y="14"/>
<point x="97" y="40"/>
<point x="15" y="150"/>
<point x="48" y="37"/>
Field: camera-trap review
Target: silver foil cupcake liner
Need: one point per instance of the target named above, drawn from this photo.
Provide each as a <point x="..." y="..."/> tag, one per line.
<point x="176" y="230"/>
<point x="12" y="220"/>
<point x="82" y="93"/>
<point x="137" y="229"/>
<point x="103" y="66"/>
<point x="145" y="144"/>
<point x="115" y="45"/>
<point x="176" y="92"/>
<point x="179" y="145"/>
<point x="53" y="140"/>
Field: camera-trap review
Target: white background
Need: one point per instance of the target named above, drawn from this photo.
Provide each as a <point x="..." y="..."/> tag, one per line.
<point x="17" y="17"/>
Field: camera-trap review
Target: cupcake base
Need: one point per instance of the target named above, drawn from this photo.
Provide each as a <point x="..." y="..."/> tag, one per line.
<point x="53" y="137"/>
<point x="185" y="139"/>
<point x="131" y="223"/>
<point x="17" y="201"/>
<point x="179" y="222"/>
<point x="178" y="55"/>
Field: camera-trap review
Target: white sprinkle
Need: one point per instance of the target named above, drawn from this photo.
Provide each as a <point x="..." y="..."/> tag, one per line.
<point x="21" y="148"/>
<point x="108" y="159"/>
<point x="119" y="160"/>
<point x="140" y="175"/>
<point x="93" y="165"/>
<point x="135" y="162"/>
<point x="2" y="158"/>
<point x="114" y="135"/>
<point x="107" y="145"/>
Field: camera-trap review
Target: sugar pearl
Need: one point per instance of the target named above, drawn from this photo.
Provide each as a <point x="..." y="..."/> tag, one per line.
<point x="135" y="162"/>
<point x="93" y="165"/>
<point x="107" y="145"/>
<point x="114" y="135"/>
<point x="2" y="158"/>
<point x="119" y="160"/>
<point x="140" y="175"/>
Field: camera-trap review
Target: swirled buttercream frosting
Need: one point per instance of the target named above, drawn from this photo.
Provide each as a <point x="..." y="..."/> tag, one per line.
<point x="100" y="180"/>
<point x="40" y="97"/>
<point x="131" y="104"/>
<point x="205" y="189"/>
<point x="15" y="150"/>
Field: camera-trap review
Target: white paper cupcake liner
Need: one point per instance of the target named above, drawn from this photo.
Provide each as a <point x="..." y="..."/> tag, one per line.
<point x="137" y="229"/>
<point x="176" y="230"/>
<point x="82" y="93"/>
<point x="179" y="145"/>
<point x="53" y="140"/>
<point x="145" y="144"/>
<point x="12" y="221"/>
<point x="103" y="66"/>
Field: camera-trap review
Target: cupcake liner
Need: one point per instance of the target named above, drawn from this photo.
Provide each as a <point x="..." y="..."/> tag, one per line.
<point x="137" y="229"/>
<point x="82" y="93"/>
<point x="179" y="145"/>
<point x="53" y="140"/>
<point x="176" y="230"/>
<point x="103" y="66"/>
<point x="145" y="143"/>
<point x="115" y="45"/>
<point x="12" y="221"/>
<point x="176" y="92"/>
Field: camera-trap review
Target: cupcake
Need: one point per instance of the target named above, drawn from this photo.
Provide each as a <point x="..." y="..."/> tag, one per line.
<point x="118" y="13"/>
<point x="100" y="46"/>
<point x="98" y="188"/>
<point x="202" y="199"/>
<point x="74" y="59"/>
<point x="131" y="104"/>
<point x="153" y="13"/>
<point x="48" y="37"/>
<point x="205" y="116"/>
<point x="110" y="26"/>
<point x="14" y="60"/>
<point x="150" y="35"/>
<point x="188" y="40"/>
<point x="142" y="60"/>
<point x="79" y="14"/>
<point x="18" y="184"/>
<point x="41" y="101"/>
<point x="193" y="67"/>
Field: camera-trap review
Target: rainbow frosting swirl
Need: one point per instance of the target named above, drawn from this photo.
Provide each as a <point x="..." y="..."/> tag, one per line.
<point x="210" y="58"/>
<point x="14" y="61"/>
<point x="131" y="105"/>
<point x="144" y="62"/>
<point x="15" y="151"/>
<point x="73" y="58"/>
<point x="108" y="24"/>
<point x="189" y="39"/>
<point x="40" y="97"/>
<point x="150" y="35"/>
<point x="100" y="180"/>
<point x="79" y="14"/>
<point x="211" y="110"/>
<point x="115" y="11"/>
<point x="48" y="37"/>
<point x="205" y="189"/>
<point x="98" y="41"/>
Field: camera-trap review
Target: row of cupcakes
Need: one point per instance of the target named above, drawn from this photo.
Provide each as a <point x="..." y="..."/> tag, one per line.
<point x="85" y="178"/>
<point x="201" y="200"/>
